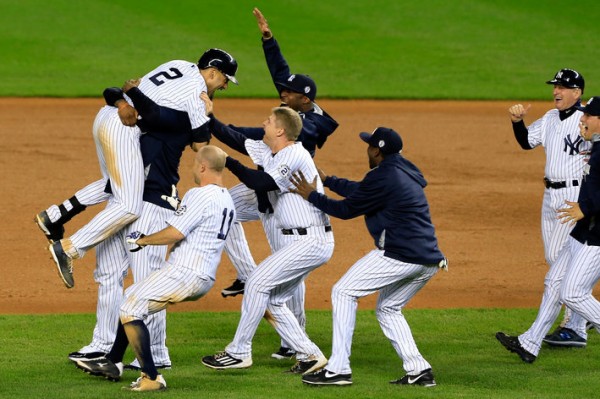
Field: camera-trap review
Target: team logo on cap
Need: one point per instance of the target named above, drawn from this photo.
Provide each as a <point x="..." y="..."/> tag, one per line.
<point x="381" y="143"/>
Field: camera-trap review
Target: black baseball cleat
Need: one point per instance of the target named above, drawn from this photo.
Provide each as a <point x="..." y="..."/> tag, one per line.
<point x="52" y="231"/>
<point x="283" y="353"/>
<point x="102" y="367"/>
<point x="565" y="337"/>
<point x="326" y="377"/>
<point x="513" y="345"/>
<point x="424" y="378"/>
<point x="308" y="366"/>
<point x="75" y="356"/>
<point x="64" y="263"/>
<point x="234" y="289"/>
<point x="224" y="360"/>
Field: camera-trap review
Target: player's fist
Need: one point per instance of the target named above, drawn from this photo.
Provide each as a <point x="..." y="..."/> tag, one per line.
<point x="518" y="111"/>
<point x="173" y="200"/>
<point x="132" y="239"/>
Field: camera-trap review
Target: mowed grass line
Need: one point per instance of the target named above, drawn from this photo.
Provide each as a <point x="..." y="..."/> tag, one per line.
<point x="468" y="361"/>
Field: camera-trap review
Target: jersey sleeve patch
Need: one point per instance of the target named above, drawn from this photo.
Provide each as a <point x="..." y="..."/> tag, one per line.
<point x="182" y="209"/>
<point x="284" y="171"/>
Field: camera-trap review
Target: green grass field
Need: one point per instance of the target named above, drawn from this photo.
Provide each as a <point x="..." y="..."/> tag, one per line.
<point x="467" y="360"/>
<point x="431" y="49"/>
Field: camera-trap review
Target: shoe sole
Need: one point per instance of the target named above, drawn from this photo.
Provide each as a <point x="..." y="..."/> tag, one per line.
<point x="97" y="374"/>
<point x="75" y="359"/>
<point x="57" y="264"/>
<point x="40" y="224"/>
<point x="233" y="366"/>
<point x="337" y="383"/>
<point x="566" y="344"/>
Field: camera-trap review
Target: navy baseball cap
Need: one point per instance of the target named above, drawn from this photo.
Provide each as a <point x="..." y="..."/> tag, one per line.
<point x="221" y="60"/>
<point x="568" y="78"/>
<point x="386" y="139"/>
<point x="592" y="107"/>
<point x="302" y="84"/>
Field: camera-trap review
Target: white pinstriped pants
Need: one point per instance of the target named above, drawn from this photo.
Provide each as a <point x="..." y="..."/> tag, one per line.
<point x="171" y="284"/>
<point x="272" y="284"/>
<point x="397" y="282"/>
<point x="555" y="235"/>
<point x="550" y="307"/>
<point x="238" y="251"/>
<point x="118" y="150"/>
<point x="581" y="277"/>
<point x="113" y="259"/>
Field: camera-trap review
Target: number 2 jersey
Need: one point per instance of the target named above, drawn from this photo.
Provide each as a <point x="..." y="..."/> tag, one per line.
<point x="177" y="84"/>
<point x="204" y="218"/>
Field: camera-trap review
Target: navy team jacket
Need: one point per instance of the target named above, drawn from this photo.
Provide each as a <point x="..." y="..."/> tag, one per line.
<point x="396" y="211"/>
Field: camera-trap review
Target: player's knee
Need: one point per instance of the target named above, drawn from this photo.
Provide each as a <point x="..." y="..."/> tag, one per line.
<point x="570" y="298"/>
<point x="339" y="291"/>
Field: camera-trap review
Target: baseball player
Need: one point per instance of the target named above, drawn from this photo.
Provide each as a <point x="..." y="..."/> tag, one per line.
<point x="176" y="84"/>
<point x="583" y="271"/>
<point x="297" y="92"/>
<point x="161" y="151"/>
<point x="197" y="232"/>
<point x="397" y="215"/>
<point x="305" y="243"/>
<point x="557" y="131"/>
<point x="576" y="270"/>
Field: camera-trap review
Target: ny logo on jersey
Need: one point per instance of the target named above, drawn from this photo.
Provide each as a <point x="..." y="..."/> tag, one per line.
<point x="572" y="147"/>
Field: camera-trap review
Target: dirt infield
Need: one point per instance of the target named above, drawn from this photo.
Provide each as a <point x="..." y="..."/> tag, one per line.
<point x="484" y="191"/>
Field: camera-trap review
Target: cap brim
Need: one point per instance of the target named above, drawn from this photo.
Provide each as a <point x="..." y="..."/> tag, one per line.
<point x="232" y="78"/>
<point x="285" y="86"/>
<point x="364" y="136"/>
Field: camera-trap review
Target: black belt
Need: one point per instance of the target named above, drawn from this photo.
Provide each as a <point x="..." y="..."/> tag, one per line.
<point x="301" y="231"/>
<point x="559" y="184"/>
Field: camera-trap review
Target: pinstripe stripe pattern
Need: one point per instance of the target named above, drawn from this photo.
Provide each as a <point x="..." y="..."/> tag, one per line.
<point x="565" y="159"/>
<point x="290" y="210"/>
<point x="562" y="143"/>
<point x="91" y="194"/>
<point x="397" y="282"/>
<point x="112" y="262"/>
<point x="550" y="307"/>
<point x="190" y="271"/>
<point x="171" y="284"/>
<point x="581" y="276"/>
<point x="272" y="284"/>
<point x="118" y="150"/>
<point x="203" y="211"/>
<point x="180" y="93"/>
<point x="239" y="253"/>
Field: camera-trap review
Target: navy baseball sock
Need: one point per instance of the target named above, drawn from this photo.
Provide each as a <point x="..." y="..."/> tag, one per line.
<point x="120" y="346"/>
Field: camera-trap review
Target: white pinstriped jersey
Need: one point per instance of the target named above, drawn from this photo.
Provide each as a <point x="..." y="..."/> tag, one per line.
<point x="290" y="210"/>
<point x="204" y="218"/>
<point x="562" y="143"/>
<point x="177" y="85"/>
